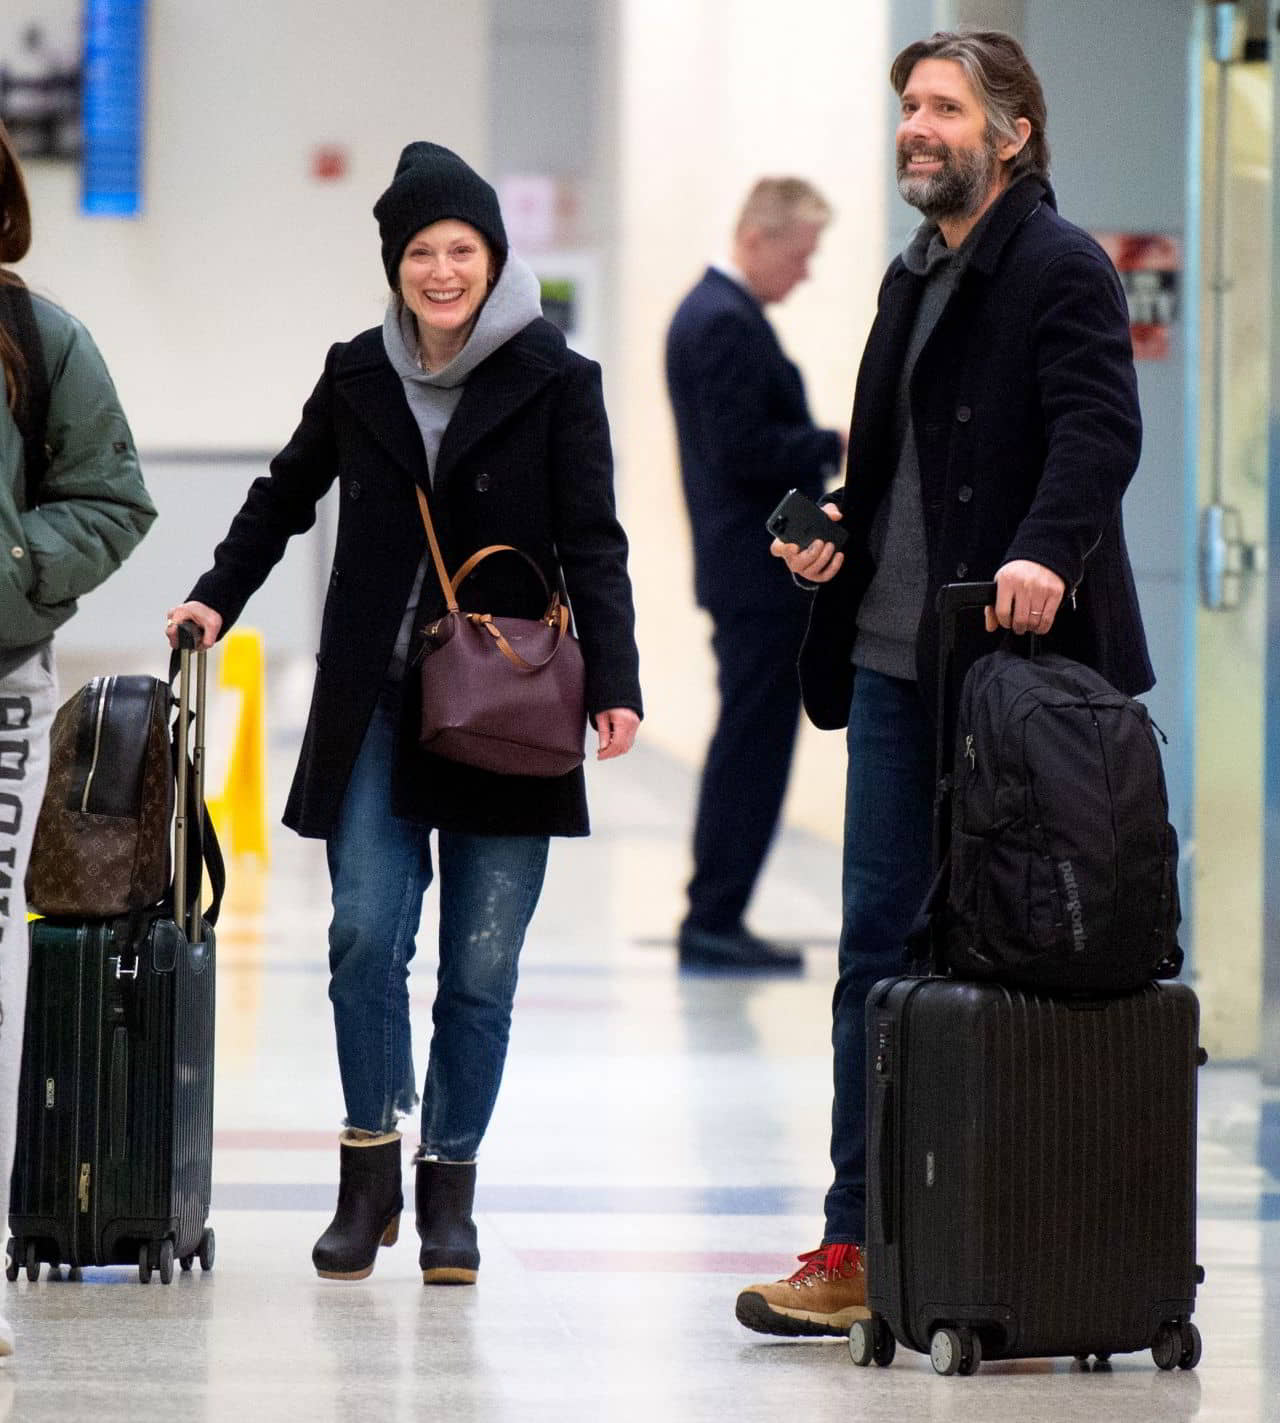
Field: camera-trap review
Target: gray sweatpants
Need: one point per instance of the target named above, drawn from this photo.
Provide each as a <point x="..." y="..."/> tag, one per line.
<point x="28" y="700"/>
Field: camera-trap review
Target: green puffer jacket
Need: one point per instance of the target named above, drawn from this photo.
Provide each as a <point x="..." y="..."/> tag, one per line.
<point x="93" y="506"/>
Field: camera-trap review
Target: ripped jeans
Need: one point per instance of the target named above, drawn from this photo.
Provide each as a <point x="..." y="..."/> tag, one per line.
<point x="380" y="868"/>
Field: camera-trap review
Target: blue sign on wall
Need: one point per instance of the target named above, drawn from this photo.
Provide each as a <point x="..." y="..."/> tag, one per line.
<point x="114" y="75"/>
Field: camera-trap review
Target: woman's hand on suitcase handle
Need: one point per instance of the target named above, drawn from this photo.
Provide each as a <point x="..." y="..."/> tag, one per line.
<point x="617" y="730"/>
<point x="204" y="617"/>
<point x="819" y="563"/>
<point x="1028" y="596"/>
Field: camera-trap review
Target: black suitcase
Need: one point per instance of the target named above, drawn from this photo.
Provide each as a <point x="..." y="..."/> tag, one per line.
<point x="1030" y="1162"/>
<point x="115" y="1114"/>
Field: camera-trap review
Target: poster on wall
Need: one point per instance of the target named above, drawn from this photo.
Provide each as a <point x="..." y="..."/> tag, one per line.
<point x="41" y="78"/>
<point x="1149" y="265"/>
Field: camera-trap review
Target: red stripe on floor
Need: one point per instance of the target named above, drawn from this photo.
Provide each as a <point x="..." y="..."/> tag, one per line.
<point x="672" y="1262"/>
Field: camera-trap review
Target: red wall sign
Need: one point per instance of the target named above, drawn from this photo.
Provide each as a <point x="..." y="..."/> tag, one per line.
<point x="1150" y="265"/>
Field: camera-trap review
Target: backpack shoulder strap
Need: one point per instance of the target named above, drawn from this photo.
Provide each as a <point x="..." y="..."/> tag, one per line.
<point x="32" y="414"/>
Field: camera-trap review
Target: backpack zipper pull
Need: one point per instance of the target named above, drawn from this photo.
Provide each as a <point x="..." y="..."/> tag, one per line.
<point x="969" y="754"/>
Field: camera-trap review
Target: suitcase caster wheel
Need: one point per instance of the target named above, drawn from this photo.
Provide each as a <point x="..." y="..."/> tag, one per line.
<point x="885" y="1345"/>
<point x="186" y="1262"/>
<point x="944" y="1351"/>
<point x="1167" y="1347"/>
<point x="970" y="1352"/>
<point x="207" y="1243"/>
<point x="1190" y="1356"/>
<point x="955" y="1351"/>
<point x="861" y="1342"/>
<point x="166" y="1261"/>
<point x="32" y="1261"/>
<point x="11" y="1260"/>
<point x="144" y="1263"/>
<point x="75" y="1274"/>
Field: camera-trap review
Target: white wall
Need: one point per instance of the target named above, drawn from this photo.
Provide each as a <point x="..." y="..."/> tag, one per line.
<point x="712" y="95"/>
<point x="216" y="307"/>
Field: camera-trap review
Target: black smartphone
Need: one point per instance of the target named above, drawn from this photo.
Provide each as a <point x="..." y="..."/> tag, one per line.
<point x="798" y="520"/>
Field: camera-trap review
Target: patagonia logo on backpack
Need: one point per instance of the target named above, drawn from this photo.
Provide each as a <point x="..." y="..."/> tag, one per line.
<point x="1074" y="908"/>
<point x="1063" y="861"/>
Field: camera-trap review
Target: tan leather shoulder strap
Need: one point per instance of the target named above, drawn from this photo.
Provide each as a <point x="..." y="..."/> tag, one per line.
<point x="450" y="596"/>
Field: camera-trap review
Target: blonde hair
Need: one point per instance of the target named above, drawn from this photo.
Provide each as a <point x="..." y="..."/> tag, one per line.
<point x="773" y="204"/>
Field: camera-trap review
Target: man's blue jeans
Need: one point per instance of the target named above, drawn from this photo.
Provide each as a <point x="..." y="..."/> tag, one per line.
<point x="887" y="857"/>
<point x="380" y="867"/>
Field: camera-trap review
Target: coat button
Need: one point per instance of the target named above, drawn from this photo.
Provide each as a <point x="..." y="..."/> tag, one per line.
<point x="963" y="414"/>
<point x="962" y="570"/>
<point x="354" y="490"/>
<point x="17" y="551"/>
<point x="482" y="483"/>
<point x="964" y="493"/>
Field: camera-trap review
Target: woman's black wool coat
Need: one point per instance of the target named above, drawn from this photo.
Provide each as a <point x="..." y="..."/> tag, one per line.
<point x="526" y="461"/>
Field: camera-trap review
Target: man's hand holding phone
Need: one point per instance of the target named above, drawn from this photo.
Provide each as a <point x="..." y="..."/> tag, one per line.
<point x="817" y="560"/>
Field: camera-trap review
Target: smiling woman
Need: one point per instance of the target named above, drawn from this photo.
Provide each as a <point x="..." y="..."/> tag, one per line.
<point x="446" y="273"/>
<point x="468" y="399"/>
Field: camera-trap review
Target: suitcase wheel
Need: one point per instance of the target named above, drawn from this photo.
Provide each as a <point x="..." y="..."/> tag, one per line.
<point x="144" y="1263"/>
<point x="861" y="1335"/>
<point x="1177" y="1345"/>
<point x="186" y="1261"/>
<point x="871" y="1341"/>
<point x="165" y="1261"/>
<point x="955" y="1351"/>
<point x="207" y="1243"/>
<point x="11" y="1259"/>
<point x="33" y="1261"/>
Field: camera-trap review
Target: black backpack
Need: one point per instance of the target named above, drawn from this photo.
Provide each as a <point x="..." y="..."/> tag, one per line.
<point x="1063" y="873"/>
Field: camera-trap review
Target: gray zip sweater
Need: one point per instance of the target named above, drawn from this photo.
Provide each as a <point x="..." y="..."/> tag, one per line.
<point x="889" y="614"/>
<point x="433" y="396"/>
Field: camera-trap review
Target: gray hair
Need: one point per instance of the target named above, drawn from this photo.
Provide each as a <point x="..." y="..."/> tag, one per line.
<point x="1007" y="87"/>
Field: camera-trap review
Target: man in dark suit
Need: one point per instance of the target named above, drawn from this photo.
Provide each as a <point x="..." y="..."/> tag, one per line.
<point x="746" y="438"/>
<point x="995" y="428"/>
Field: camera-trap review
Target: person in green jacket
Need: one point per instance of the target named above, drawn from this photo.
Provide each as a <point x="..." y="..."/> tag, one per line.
<point x="63" y="529"/>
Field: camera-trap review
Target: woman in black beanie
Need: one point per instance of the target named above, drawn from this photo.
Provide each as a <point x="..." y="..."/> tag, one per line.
<point x="466" y="394"/>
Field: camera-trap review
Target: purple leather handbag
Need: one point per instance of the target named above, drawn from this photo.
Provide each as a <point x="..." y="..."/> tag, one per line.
<point x="502" y="694"/>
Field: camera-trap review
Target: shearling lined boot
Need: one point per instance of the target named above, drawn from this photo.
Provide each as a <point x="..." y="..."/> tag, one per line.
<point x="369" y="1206"/>
<point x="445" y="1193"/>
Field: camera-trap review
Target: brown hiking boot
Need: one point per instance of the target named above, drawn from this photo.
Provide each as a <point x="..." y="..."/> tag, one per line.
<point x="824" y="1296"/>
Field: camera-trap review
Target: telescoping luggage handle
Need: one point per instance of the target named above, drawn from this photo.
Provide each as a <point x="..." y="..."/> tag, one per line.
<point x="188" y="912"/>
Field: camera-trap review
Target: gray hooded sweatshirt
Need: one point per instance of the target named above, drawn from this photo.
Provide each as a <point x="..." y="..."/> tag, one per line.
<point x="433" y="396"/>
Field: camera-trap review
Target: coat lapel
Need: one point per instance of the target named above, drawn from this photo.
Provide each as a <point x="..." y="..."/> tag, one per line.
<point x="376" y="396"/>
<point x="494" y="392"/>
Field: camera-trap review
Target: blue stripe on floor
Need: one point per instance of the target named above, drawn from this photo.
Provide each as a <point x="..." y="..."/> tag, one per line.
<point x="639" y="1200"/>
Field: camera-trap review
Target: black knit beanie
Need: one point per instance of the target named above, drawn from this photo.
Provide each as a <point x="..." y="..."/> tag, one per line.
<point x="431" y="183"/>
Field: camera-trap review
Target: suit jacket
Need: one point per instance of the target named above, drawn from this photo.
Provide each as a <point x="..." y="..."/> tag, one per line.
<point x="525" y="460"/>
<point x="1024" y="405"/>
<point x="746" y="437"/>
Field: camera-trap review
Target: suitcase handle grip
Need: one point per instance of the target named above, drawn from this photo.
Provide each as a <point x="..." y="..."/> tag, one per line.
<point x="189" y="635"/>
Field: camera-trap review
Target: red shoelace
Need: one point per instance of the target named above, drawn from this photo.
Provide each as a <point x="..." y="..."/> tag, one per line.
<point x="828" y="1262"/>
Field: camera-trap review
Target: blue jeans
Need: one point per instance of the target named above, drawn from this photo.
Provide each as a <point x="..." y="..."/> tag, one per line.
<point x="887" y="858"/>
<point x="380" y="867"/>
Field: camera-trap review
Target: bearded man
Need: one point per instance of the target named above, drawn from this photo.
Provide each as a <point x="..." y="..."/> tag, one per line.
<point x="995" y="428"/>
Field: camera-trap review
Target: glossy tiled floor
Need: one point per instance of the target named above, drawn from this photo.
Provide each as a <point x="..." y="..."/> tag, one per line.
<point x="660" y="1142"/>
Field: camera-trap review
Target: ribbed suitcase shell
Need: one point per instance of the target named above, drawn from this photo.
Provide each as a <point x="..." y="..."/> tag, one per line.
<point x="115" y="1114"/>
<point x="1031" y="1165"/>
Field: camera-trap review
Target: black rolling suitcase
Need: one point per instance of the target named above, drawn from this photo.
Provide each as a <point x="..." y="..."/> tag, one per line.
<point x="1031" y="1164"/>
<point x="115" y="1116"/>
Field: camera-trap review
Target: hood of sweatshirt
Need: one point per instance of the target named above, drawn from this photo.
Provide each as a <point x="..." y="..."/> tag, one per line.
<point x="515" y="301"/>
